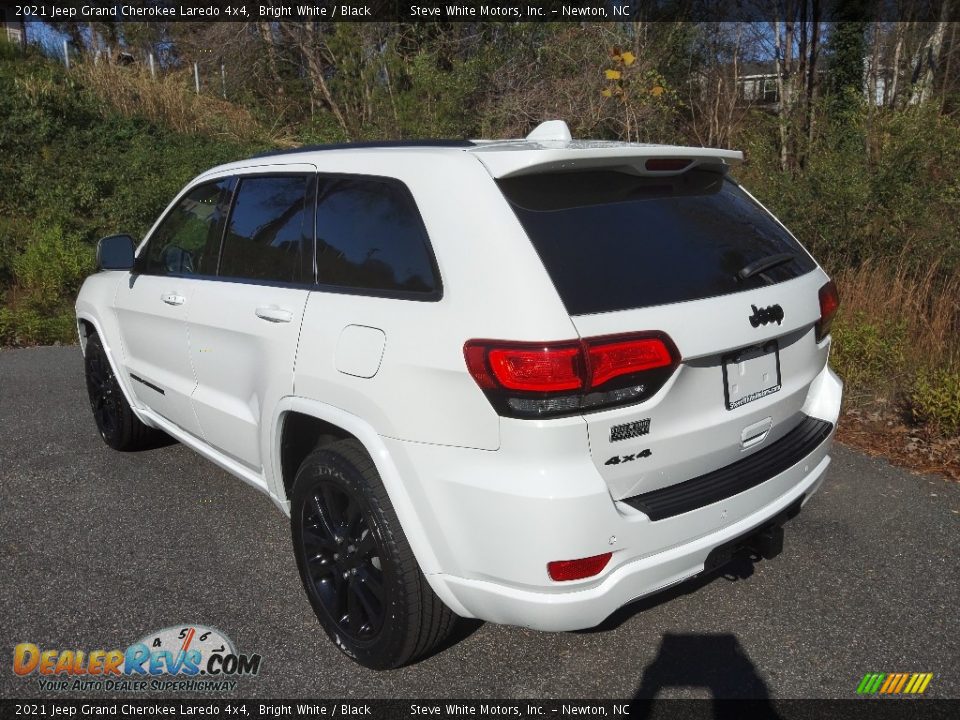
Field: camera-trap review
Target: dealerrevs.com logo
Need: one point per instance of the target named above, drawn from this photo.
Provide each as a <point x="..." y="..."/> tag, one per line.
<point x="181" y="658"/>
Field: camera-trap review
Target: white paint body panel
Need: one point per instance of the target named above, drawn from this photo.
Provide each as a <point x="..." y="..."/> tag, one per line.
<point x="153" y="336"/>
<point x="242" y="362"/>
<point x="485" y="502"/>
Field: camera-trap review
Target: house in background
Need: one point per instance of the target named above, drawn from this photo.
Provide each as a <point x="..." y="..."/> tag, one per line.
<point x="14" y="30"/>
<point x="757" y="83"/>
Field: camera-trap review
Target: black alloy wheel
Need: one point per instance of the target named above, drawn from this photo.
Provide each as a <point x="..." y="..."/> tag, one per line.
<point x="119" y="427"/>
<point x="342" y="558"/>
<point x="104" y="393"/>
<point x="358" y="570"/>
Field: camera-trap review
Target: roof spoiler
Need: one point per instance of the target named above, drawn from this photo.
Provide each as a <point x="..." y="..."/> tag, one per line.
<point x="551" y="148"/>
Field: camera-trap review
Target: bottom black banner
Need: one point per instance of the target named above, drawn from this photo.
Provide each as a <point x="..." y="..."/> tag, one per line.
<point x="874" y="709"/>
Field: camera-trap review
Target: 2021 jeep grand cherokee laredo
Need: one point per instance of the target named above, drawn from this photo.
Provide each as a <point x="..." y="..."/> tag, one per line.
<point x="525" y="381"/>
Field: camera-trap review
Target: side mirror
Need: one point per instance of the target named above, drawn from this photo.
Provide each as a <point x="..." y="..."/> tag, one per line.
<point x="115" y="252"/>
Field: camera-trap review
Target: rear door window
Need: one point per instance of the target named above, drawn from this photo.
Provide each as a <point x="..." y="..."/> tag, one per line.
<point x="371" y="239"/>
<point x="616" y="241"/>
<point x="269" y="235"/>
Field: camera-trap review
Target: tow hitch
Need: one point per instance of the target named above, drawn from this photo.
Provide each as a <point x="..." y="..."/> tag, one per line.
<point x="768" y="542"/>
<point x="765" y="541"/>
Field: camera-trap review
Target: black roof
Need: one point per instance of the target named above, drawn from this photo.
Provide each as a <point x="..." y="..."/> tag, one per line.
<point x="368" y="144"/>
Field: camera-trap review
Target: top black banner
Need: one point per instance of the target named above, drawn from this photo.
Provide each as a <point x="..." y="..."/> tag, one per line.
<point x="476" y="11"/>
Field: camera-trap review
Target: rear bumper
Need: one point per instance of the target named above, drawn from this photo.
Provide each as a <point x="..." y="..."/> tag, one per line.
<point x="588" y="607"/>
<point x="736" y="478"/>
<point x="500" y="517"/>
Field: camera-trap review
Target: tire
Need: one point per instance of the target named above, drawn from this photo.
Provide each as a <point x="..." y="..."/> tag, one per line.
<point x="357" y="568"/>
<point x="118" y="426"/>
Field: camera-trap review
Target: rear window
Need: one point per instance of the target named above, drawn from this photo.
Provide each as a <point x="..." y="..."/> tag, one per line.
<point x="370" y="238"/>
<point x="611" y="240"/>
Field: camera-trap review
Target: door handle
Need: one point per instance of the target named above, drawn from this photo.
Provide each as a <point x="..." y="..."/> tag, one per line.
<point x="173" y="299"/>
<point x="274" y="314"/>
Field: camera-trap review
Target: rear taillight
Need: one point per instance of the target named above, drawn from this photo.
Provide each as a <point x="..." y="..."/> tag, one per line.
<point x="829" y="303"/>
<point x="537" y="369"/>
<point x="612" y="358"/>
<point x="563" y="570"/>
<point x="562" y="378"/>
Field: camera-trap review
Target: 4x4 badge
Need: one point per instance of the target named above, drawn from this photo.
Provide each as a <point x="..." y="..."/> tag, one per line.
<point x="762" y="316"/>
<point x="617" y="459"/>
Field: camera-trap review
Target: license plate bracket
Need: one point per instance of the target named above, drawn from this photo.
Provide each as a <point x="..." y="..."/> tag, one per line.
<point x="751" y="373"/>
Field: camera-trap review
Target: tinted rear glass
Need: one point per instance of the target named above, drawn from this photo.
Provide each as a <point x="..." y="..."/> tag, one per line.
<point x="370" y="237"/>
<point x="614" y="241"/>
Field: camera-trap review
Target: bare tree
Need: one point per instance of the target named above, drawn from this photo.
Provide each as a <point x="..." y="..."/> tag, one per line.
<point x="794" y="43"/>
<point x="312" y="48"/>
<point x="783" y="37"/>
<point x="928" y="58"/>
<point x="714" y="98"/>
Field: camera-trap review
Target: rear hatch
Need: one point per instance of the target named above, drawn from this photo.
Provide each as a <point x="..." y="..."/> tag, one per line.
<point x="675" y="246"/>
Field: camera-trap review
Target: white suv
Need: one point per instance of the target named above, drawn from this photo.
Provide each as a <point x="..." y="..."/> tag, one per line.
<point x="526" y="381"/>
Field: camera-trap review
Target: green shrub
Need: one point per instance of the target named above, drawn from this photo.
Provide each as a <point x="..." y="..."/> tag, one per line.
<point x="52" y="267"/>
<point x="935" y="399"/>
<point x="882" y="186"/>
<point x="71" y="160"/>
<point x="30" y="326"/>
<point x="14" y="234"/>
<point x="73" y="170"/>
<point x="869" y="353"/>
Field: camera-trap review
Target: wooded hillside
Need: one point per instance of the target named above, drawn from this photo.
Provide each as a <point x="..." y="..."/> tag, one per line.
<point x="850" y="131"/>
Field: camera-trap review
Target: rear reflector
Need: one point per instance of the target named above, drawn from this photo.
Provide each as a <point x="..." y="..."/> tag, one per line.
<point x="549" y="379"/>
<point x="563" y="570"/>
<point x="829" y="304"/>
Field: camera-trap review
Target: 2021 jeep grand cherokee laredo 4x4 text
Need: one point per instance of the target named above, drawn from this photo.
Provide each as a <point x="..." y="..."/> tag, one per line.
<point x="525" y="381"/>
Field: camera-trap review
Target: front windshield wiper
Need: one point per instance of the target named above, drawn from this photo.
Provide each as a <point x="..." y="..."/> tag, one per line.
<point x="763" y="264"/>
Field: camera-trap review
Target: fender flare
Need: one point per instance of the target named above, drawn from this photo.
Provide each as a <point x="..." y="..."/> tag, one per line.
<point x="114" y="365"/>
<point x="405" y="508"/>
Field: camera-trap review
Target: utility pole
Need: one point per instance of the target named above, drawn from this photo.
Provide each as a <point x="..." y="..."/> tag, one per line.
<point x="196" y="77"/>
<point x="66" y="54"/>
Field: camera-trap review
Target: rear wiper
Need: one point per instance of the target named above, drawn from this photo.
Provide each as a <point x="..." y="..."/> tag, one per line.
<point x="763" y="264"/>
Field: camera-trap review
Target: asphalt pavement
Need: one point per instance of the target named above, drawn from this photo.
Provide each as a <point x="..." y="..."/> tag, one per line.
<point x="98" y="548"/>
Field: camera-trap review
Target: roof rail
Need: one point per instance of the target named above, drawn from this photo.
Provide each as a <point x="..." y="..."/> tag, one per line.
<point x="367" y="144"/>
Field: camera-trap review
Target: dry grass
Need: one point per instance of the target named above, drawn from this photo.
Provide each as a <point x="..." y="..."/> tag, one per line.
<point x="170" y="101"/>
<point x="927" y="306"/>
<point x="897" y="347"/>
